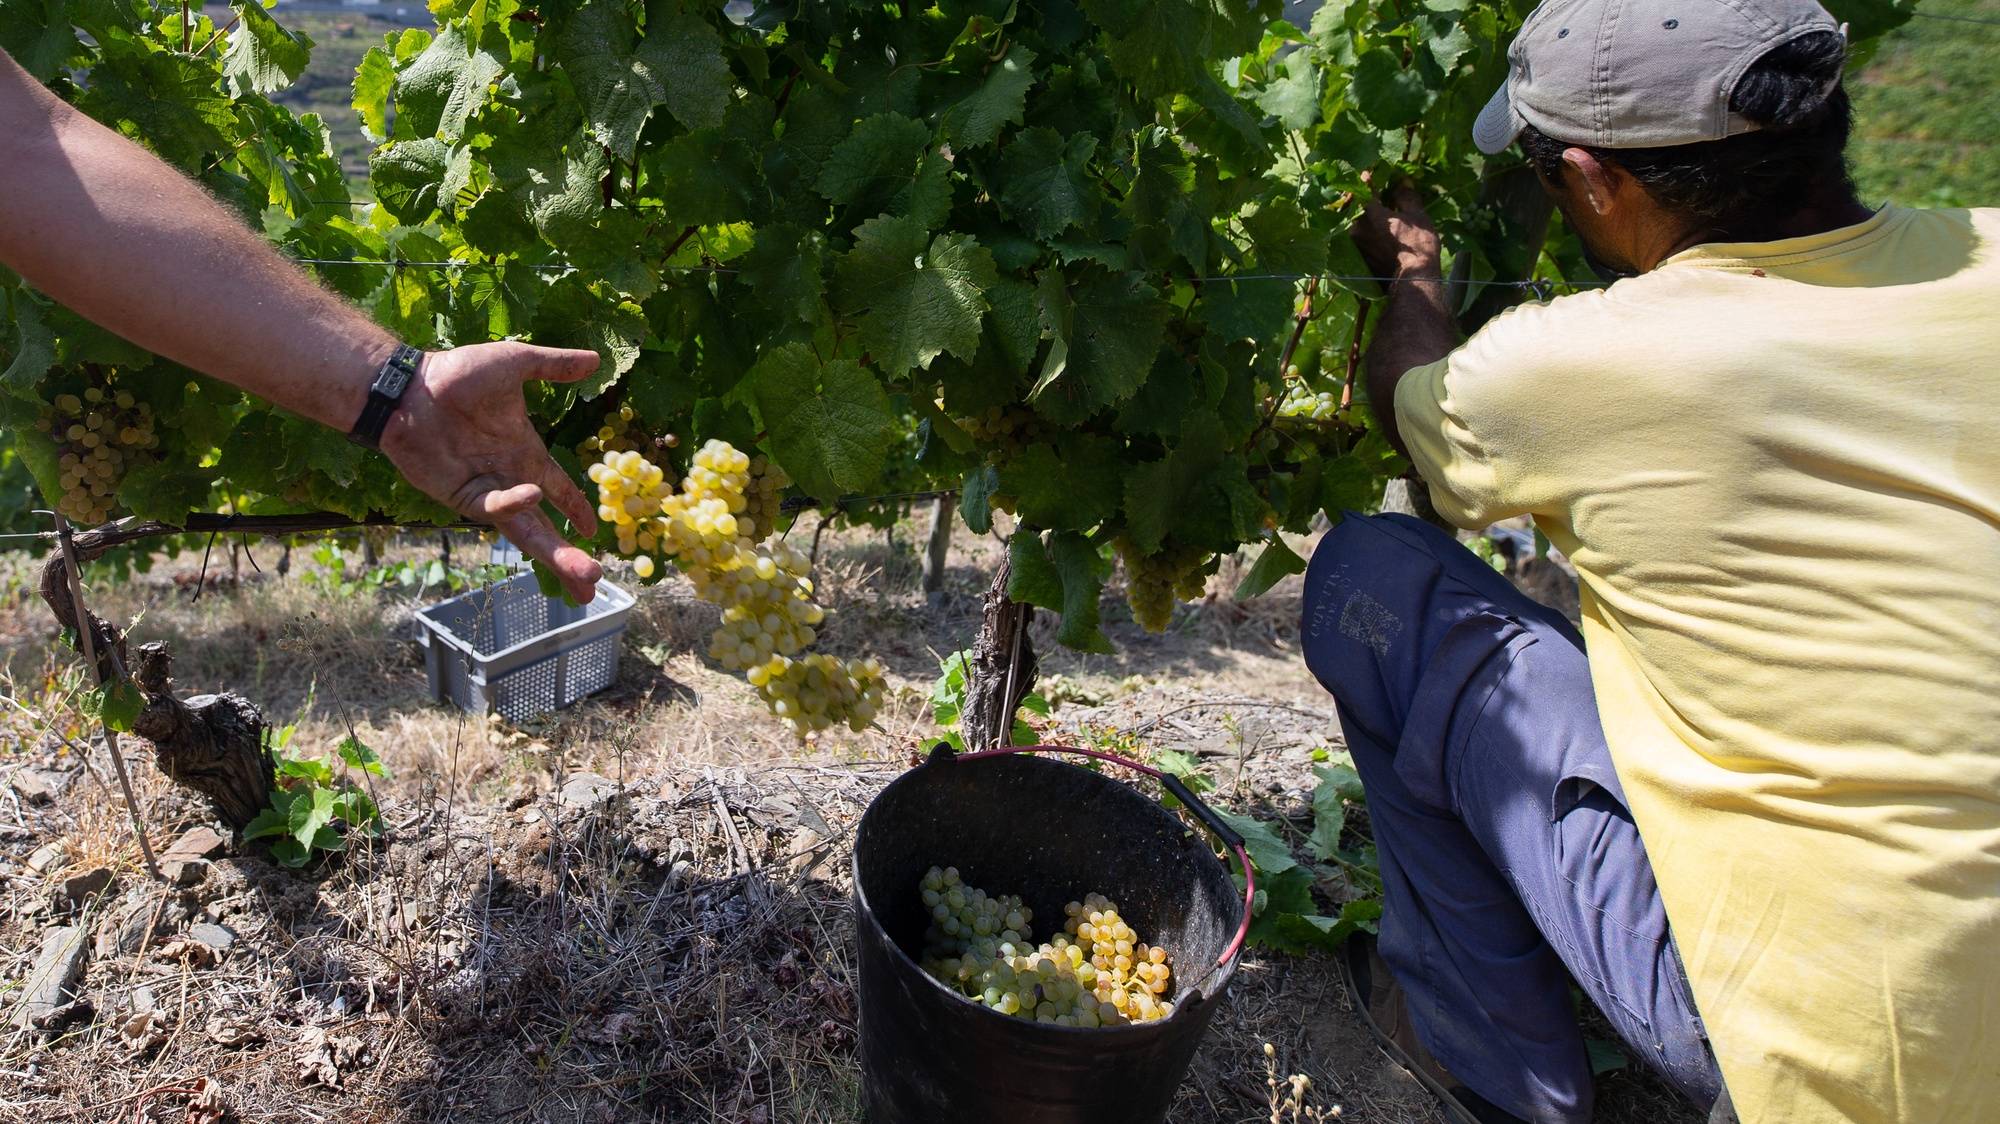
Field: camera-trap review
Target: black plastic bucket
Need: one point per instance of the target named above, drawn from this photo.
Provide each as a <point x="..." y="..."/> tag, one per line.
<point x="1051" y="833"/>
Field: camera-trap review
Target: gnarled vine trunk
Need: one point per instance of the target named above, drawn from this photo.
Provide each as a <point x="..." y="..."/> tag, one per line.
<point x="211" y="744"/>
<point x="1409" y="495"/>
<point x="1002" y="668"/>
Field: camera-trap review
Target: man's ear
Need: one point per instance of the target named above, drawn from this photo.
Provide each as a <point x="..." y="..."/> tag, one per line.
<point x="1591" y="178"/>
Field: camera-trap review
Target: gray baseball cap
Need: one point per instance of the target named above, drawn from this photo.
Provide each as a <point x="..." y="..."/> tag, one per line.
<point x="1638" y="73"/>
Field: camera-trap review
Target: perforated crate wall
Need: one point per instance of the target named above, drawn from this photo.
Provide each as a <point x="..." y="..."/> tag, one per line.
<point x="511" y="649"/>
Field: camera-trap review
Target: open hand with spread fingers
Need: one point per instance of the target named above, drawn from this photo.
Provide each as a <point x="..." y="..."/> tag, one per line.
<point x="462" y="435"/>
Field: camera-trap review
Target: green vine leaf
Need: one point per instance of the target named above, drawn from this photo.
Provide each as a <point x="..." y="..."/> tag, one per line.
<point x="1105" y="330"/>
<point x="875" y="162"/>
<point x="830" y="424"/>
<point x="1166" y="45"/>
<point x="1063" y="573"/>
<point x="41" y="37"/>
<point x="34" y="345"/>
<point x="1294" y="96"/>
<point x="263" y="56"/>
<point x="117" y="703"/>
<point x="1385" y="92"/>
<point x="998" y="102"/>
<point x="1047" y="178"/>
<point x="359" y="755"/>
<point x="1277" y="562"/>
<point x="373" y="81"/>
<point x="310" y="813"/>
<point x="975" y="498"/>
<point x="1270" y="853"/>
<point x="621" y="78"/>
<point x="916" y="297"/>
<point x="406" y="175"/>
<point x="1032" y="578"/>
<point x="1073" y="487"/>
<point x="1083" y="570"/>
<point x="439" y="90"/>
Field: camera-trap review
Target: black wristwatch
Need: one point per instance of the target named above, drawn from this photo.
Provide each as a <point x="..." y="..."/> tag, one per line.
<point x="383" y="395"/>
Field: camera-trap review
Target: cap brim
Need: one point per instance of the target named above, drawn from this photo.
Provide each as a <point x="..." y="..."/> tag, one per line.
<point x="1498" y="125"/>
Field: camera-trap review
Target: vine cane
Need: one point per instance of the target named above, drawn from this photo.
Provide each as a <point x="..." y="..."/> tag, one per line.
<point x="86" y="638"/>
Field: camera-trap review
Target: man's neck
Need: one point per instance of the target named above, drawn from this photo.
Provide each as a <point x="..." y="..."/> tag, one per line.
<point x="1833" y="211"/>
<point x="1820" y="216"/>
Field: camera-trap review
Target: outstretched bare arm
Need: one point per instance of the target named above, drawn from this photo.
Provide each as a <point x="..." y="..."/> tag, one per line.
<point x="110" y="231"/>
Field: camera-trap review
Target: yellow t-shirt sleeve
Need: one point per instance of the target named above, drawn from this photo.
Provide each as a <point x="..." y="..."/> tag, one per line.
<point x="1472" y="421"/>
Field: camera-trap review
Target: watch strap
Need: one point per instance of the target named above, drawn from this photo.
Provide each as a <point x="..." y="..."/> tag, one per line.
<point x="384" y="394"/>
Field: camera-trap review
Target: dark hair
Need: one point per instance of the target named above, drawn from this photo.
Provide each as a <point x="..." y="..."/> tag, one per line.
<point x="1741" y="186"/>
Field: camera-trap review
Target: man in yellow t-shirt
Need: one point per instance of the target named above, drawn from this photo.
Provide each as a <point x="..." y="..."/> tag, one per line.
<point x="1772" y="451"/>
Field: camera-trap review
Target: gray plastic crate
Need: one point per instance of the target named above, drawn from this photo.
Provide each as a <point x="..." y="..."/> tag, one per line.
<point x="510" y="648"/>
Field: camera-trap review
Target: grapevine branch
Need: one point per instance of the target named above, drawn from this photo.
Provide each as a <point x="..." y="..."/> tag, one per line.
<point x="785" y="95"/>
<point x="226" y="29"/>
<point x="213" y="744"/>
<point x="87" y="642"/>
<point x="1361" y="309"/>
<point x="1305" y="315"/>
<point x="677" y="243"/>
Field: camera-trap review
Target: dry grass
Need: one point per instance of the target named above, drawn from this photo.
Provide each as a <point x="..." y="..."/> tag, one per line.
<point x="677" y="953"/>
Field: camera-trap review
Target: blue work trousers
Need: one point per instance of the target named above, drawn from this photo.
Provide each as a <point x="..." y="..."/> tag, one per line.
<point x="1510" y="865"/>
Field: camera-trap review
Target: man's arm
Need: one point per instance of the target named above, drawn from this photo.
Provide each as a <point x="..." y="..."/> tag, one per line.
<point x="108" y="230"/>
<point x="1397" y="240"/>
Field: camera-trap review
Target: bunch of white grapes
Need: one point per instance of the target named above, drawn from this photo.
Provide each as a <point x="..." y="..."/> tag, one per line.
<point x="99" y="436"/>
<point x="614" y="436"/>
<point x="712" y="527"/>
<point x="1301" y="401"/>
<point x="619" y="434"/>
<point x="1003" y="429"/>
<point x="1154" y="582"/>
<point x="1094" y="973"/>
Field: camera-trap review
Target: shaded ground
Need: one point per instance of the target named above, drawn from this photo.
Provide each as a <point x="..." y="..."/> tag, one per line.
<point x="637" y="910"/>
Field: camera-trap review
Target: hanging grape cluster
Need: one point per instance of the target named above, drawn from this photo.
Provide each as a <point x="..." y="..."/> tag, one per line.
<point x="1154" y="582"/>
<point x="99" y="435"/>
<point x="1096" y="972"/>
<point x="713" y="527"/>
<point x="1004" y="430"/>
<point x="1003" y="433"/>
<point x="617" y="435"/>
<point x="1302" y="401"/>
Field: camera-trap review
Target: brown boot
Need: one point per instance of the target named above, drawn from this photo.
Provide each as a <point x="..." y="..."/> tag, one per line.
<point x="1385" y="1009"/>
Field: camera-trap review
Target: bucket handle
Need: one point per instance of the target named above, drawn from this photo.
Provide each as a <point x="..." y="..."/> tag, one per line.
<point x="1181" y="792"/>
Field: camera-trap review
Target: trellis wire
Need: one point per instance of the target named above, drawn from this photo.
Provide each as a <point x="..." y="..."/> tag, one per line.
<point x="334" y="523"/>
<point x="1541" y="287"/>
<point x="1957" y="19"/>
<point x="1538" y="285"/>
